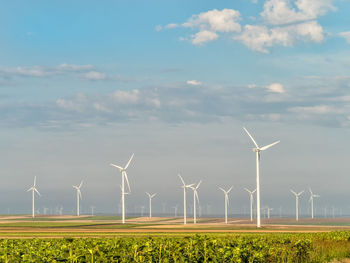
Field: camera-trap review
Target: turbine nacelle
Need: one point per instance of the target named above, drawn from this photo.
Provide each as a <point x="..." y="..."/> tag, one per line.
<point x="256" y="150"/>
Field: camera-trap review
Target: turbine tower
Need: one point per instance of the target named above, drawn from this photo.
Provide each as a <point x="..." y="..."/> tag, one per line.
<point x="226" y="200"/>
<point x="312" y="195"/>
<point x="78" y="196"/>
<point x="257" y="150"/>
<point x="150" y="203"/>
<point x="33" y="189"/>
<point x="297" y="203"/>
<point x="251" y="201"/>
<point x="184" y="186"/>
<point x="124" y="177"/>
<point x="195" y="196"/>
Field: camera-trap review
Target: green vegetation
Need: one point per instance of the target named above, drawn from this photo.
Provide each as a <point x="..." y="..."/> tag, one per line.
<point x="319" y="247"/>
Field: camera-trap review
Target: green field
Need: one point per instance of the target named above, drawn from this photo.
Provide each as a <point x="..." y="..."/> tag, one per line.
<point x="319" y="247"/>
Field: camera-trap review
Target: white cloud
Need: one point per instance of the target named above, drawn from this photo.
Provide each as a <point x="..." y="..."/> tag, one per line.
<point x="211" y="23"/>
<point x="216" y="21"/>
<point x="126" y="97"/>
<point x="94" y="75"/>
<point x="276" y="88"/>
<point x="319" y="109"/>
<point x="70" y="67"/>
<point x="345" y="35"/>
<point x="259" y="38"/>
<point x="193" y="82"/>
<point x="252" y="86"/>
<point x="280" y="12"/>
<point x="170" y="26"/>
<point x="204" y="36"/>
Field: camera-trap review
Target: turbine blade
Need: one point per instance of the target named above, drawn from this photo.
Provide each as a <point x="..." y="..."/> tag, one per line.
<point x="293" y="192"/>
<point x="247" y="190"/>
<point x="37" y="191"/>
<point x="148" y="194"/>
<point x="34" y="181"/>
<point x="120" y="168"/>
<point x="127" y="180"/>
<point x="189" y="185"/>
<point x="251" y="137"/>
<point x="80" y="194"/>
<point x="268" y="146"/>
<point x="196" y="194"/>
<point x="127" y="165"/>
<point x="30" y="189"/>
<point x="254" y="191"/>
<point x="199" y="184"/>
<point x="153" y="195"/>
<point x="301" y="192"/>
<point x="222" y="189"/>
<point x="182" y="180"/>
<point x="229" y="189"/>
<point x="80" y="184"/>
<point x="310" y="190"/>
<point x="316" y="195"/>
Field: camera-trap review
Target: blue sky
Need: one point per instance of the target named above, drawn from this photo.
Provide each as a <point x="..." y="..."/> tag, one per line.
<point x="84" y="84"/>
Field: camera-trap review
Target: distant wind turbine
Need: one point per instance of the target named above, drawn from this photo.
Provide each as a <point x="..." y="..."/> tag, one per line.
<point x="226" y="200"/>
<point x="124" y="177"/>
<point x="184" y="186"/>
<point x="312" y="195"/>
<point x="257" y="150"/>
<point x="297" y="203"/>
<point x="33" y="189"/>
<point x="195" y="197"/>
<point x="150" y="203"/>
<point x="175" y="210"/>
<point x="78" y="196"/>
<point x="251" y="201"/>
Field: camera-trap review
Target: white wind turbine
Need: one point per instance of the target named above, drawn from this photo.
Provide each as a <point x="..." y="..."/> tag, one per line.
<point x="297" y="203"/>
<point x="78" y="196"/>
<point x="195" y="196"/>
<point x="124" y="177"/>
<point x="33" y="189"/>
<point x="251" y="201"/>
<point x="184" y="186"/>
<point x="312" y="202"/>
<point x="226" y="200"/>
<point x="257" y="150"/>
<point x="150" y="203"/>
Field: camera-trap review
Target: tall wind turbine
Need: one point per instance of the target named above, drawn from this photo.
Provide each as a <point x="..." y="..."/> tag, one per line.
<point x="257" y="150"/>
<point x="251" y="201"/>
<point x="33" y="189"/>
<point x="226" y="200"/>
<point x="124" y="177"/>
<point x="150" y="203"/>
<point x="297" y="203"/>
<point x="78" y="196"/>
<point x="184" y="186"/>
<point x="312" y="195"/>
<point x="195" y="196"/>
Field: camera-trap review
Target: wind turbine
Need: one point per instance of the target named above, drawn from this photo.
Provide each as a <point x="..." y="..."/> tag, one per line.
<point x="184" y="186"/>
<point x="226" y="200"/>
<point x="251" y="201"/>
<point x="33" y="189"/>
<point x="312" y="202"/>
<point x="150" y="203"/>
<point x="268" y="209"/>
<point x="124" y="177"/>
<point x="257" y="150"/>
<point x="195" y="196"/>
<point x="78" y="196"/>
<point x="175" y="210"/>
<point x="297" y="203"/>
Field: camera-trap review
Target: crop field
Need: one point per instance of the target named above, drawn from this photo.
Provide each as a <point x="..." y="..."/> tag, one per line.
<point x="105" y="239"/>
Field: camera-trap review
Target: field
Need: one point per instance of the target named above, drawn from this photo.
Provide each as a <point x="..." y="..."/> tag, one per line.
<point x="105" y="239"/>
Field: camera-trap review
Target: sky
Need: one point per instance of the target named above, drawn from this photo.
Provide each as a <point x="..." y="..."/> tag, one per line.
<point x="85" y="83"/>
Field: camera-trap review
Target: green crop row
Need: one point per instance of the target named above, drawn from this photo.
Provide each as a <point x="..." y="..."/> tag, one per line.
<point x="319" y="247"/>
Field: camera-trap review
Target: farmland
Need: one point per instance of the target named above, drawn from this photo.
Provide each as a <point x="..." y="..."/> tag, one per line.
<point x="104" y="239"/>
